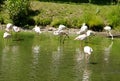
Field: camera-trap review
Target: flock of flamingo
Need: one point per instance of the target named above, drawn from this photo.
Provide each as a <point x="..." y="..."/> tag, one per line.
<point x="83" y="33"/>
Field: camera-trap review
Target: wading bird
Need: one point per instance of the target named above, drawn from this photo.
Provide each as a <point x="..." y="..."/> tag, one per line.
<point x="8" y="27"/>
<point x="61" y="27"/>
<point x="88" y="51"/>
<point x="37" y="29"/>
<point x="61" y="32"/>
<point x="16" y="29"/>
<point x="83" y="29"/>
<point x="84" y="36"/>
<point x="6" y="35"/>
<point x="108" y="30"/>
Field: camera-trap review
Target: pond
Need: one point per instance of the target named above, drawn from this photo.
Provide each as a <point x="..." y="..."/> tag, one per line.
<point x="44" y="58"/>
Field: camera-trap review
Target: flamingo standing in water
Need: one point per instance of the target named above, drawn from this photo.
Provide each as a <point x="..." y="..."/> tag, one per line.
<point x="6" y="35"/>
<point x="61" y="27"/>
<point x="8" y="27"/>
<point x="84" y="36"/>
<point x="88" y="51"/>
<point x="108" y="30"/>
<point x="16" y="29"/>
<point x="37" y="29"/>
<point x="83" y="29"/>
<point x="61" y="32"/>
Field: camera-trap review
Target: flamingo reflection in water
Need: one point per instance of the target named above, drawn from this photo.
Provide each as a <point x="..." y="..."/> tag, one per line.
<point x="86" y="73"/>
<point x="107" y="52"/>
<point x="56" y="60"/>
<point x="35" y="60"/>
<point x="81" y="67"/>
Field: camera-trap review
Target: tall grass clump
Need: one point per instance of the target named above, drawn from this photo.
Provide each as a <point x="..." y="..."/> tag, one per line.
<point x="39" y="20"/>
<point x="58" y="20"/>
<point x="18" y="10"/>
<point x="113" y="17"/>
<point x="96" y="23"/>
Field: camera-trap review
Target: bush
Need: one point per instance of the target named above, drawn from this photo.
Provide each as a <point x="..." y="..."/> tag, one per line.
<point x="18" y="10"/>
<point x="96" y="23"/>
<point x="1" y="20"/>
<point x="42" y="20"/>
<point x="113" y="17"/>
<point x="58" y="20"/>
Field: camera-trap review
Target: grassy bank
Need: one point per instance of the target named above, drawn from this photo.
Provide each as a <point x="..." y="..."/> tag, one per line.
<point x="73" y="15"/>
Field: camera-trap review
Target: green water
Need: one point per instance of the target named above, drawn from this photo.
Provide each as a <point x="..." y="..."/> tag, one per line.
<point x="44" y="58"/>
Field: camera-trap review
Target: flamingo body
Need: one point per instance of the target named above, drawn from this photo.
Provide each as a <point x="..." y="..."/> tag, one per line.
<point x="6" y="35"/>
<point x="82" y="29"/>
<point x="16" y="29"/>
<point x="107" y="28"/>
<point x="37" y="29"/>
<point x="61" y="27"/>
<point x="88" y="50"/>
<point x="8" y="27"/>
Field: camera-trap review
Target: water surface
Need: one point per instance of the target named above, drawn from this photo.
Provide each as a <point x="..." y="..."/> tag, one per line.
<point x="44" y="58"/>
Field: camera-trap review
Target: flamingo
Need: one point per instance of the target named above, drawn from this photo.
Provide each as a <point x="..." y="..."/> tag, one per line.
<point x="84" y="36"/>
<point x="16" y="29"/>
<point x="83" y="29"/>
<point x="88" y="51"/>
<point x="61" y="27"/>
<point x="6" y="35"/>
<point x="61" y="32"/>
<point x="37" y="29"/>
<point x="108" y="30"/>
<point x="8" y="27"/>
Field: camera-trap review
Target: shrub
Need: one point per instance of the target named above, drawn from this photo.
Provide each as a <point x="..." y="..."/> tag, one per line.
<point x="96" y="23"/>
<point x="1" y="20"/>
<point x="42" y="20"/>
<point x="58" y="20"/>
<point x="113" y="17"/>
<point x="18" y="10"/>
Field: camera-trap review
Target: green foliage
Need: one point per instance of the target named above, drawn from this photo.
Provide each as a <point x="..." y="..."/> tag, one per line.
<point x="58" y="20"/>
<point x="1" y="20"/>
<point x="96" y="23"/>
<point x="42" y="20"/>
<point x="18" y="10"/>
<point x="113" y="17"/>
<point x="71" y="15"/>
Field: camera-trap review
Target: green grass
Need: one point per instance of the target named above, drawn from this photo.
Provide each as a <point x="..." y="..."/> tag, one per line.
<point x="73" y="15"/>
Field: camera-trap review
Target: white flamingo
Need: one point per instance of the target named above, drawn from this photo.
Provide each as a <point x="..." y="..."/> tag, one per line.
<point x="8" y="27"/>
<point x="6" y="35"/>
<point x="108" y="30"/>
<point x="61" y="27"/>
<point x="37" y="29"/>
<point x="83" y="29"/>
<point x="88" y="51"/>
<point x="61" y="32"/>
<point x="84" y="36"/>
<point x="16" y="29"/>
